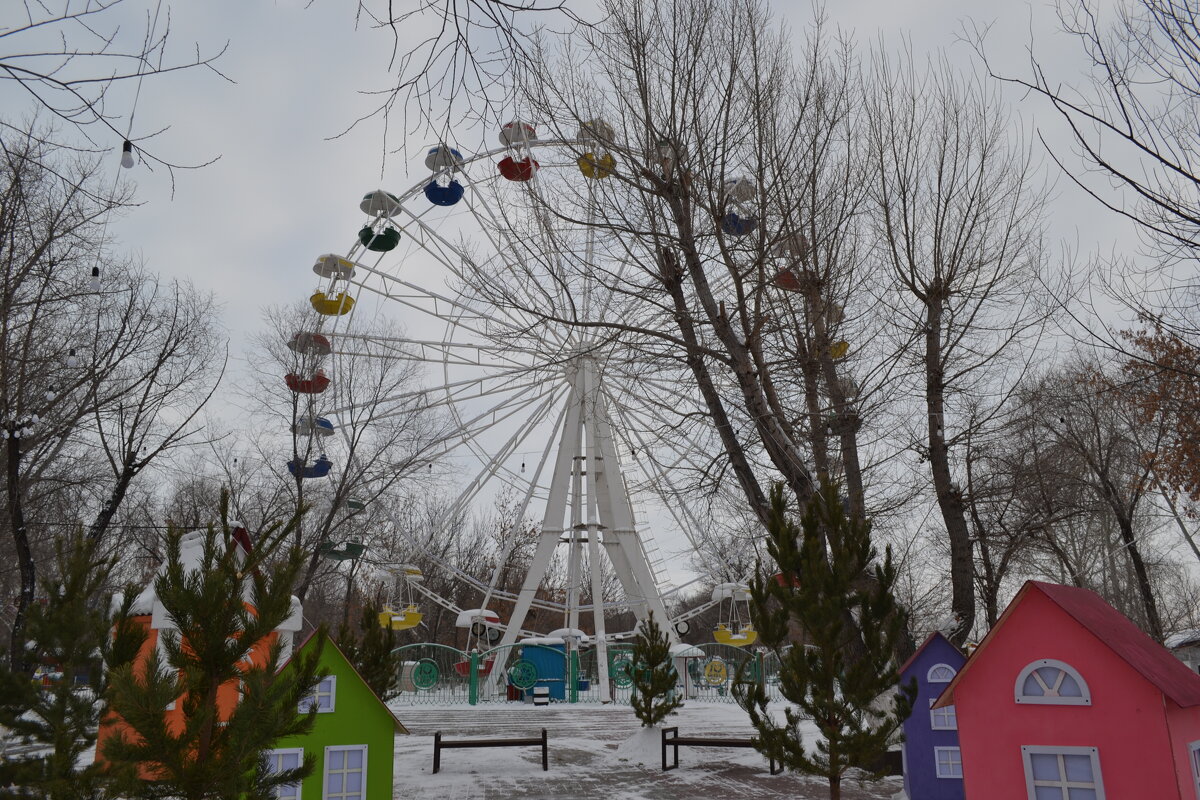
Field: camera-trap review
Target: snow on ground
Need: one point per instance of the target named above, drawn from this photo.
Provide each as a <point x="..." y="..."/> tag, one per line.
<point x="594" y="753"/>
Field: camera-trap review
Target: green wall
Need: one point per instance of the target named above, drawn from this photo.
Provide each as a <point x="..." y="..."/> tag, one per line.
<point x="358" y="718"/>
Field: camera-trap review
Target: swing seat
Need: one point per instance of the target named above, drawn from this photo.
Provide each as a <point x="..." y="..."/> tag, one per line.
<point x="463" y="668"/>
<point x="410" y="618"/>
<point x="335" y="306"/>
<point x="596" y="167"/>
<point x="746" y="636"/>
<point x="444" y="195"/>
<point x="383" y="241"/>
<point x="518" y="170"/>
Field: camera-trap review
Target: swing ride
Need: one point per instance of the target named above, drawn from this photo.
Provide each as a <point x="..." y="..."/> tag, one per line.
<point x="563" y="417"/>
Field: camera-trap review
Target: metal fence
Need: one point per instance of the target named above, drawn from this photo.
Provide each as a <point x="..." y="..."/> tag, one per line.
<point x="439" y="675"/>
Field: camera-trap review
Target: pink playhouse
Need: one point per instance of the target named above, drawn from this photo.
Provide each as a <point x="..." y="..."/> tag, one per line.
<point x="1065" y="699"/>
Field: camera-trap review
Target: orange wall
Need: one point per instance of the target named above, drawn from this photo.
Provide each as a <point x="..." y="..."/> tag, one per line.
<point x="227" y="694"/>
<point x="1127" y="720"/>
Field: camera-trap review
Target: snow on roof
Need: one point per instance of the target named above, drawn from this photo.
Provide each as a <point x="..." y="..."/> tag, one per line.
<point x="1183" y="639"/>
<point x="1150" y="659"/>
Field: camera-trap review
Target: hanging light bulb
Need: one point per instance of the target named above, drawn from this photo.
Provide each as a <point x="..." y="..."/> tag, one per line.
<point x="127" y="154"/>
<point x="94" y="283"/>
<point x="72" y="361"/>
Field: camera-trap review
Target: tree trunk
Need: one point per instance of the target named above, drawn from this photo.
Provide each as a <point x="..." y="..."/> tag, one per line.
<point x="673" y="282"/>
<point x="1145" y="590"/>
<point x="103" y="519"/>
<point x="950" y="501"/>
<point x="16" y="519"/>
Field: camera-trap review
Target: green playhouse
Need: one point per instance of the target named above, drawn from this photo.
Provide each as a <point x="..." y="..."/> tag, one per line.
<point x="353" y="738"/>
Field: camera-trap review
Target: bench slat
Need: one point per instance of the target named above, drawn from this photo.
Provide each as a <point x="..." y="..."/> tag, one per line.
<point x="671" y="738"/>
<point x="439" y="745"/>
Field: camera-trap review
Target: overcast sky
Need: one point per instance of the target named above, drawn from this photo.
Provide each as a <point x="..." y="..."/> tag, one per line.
<point x="249" y="226"/>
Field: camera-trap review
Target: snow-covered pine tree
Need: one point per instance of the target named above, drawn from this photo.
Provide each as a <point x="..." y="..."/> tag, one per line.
<point x="71" y="638"/>
<point x="855" y="704"/>
<point x="215" y="753"/>
<point x="654" y="697"/>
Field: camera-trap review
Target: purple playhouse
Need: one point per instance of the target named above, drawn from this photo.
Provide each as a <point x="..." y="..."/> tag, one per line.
<point x="932" y="762"/>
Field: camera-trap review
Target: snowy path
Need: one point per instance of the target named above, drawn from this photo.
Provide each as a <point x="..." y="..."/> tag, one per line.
<point x="584" y="757"/>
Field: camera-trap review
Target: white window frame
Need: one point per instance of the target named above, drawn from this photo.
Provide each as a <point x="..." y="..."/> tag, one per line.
<point x="929" y="675"/>
<point x="1085" y="698"/>
<point x="937" y="762"/>
<point x="946" y="711"/>
<point x="314" y="699"/>
<point x="325" y="773"/>
<point x="289" y="751"/>
<point x="1194" y="759"/>
<point x="1027" y="762"/>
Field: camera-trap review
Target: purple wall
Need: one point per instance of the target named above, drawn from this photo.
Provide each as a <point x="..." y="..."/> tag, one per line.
<point x="920" y="770"/>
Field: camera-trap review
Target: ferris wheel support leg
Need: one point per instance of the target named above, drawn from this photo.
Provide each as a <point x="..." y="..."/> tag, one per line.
<point x="620" y="539"/>
<point x="598" y="612"/>
<point x="552" y="528"/>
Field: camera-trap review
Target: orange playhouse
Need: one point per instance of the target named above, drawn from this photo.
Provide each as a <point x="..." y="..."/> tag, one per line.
<point x="148" y="612"/>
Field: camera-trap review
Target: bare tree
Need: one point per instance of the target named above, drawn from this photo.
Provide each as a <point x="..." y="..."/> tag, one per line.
<point x="464" y="62"/>
<point x="85" y="364"/>
<point x="1112" y="457"/>
<point x="68" y="57"/>
<point x="959" y="218"/>
<point x="385" y="435"/>
<point x="1131" y="122"/>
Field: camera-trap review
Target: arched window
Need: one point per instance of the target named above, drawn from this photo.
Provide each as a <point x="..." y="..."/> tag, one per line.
<point x="1050" y="682"/>
<point x="940" y="673"/>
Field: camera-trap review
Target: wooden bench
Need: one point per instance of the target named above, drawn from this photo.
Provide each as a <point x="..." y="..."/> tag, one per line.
<point x="439" y="744"/>
<point x="672" y="739"/>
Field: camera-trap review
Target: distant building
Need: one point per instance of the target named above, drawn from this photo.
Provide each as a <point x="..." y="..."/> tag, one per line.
<point x="1185" y="646"/>
<point x="932" y="762"/>
<point x="1065" y="698"/>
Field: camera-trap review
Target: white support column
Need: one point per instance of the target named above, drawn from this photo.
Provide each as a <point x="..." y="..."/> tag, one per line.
<point x="617" y="511"/>
<point x="552" y="521"/>
<point x="575" y="546"/>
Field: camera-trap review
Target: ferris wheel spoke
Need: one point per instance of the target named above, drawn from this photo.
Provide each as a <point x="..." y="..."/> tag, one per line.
<point x="452" y="257"/>
<point x="433" y="304"/>
<point x="534" y="482"/>
<point x="500" y="455"/>
<point x="433" y="354"/>
<point x="681" y="510"/>
<point x="434" y="351"/>
<point x="513" y="245"/>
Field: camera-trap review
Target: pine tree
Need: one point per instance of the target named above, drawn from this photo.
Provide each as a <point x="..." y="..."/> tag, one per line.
<point x="371" y="649"/>
<point x="71" y="639"/>
<point x="854" y="704"/>
<point x="224" y="611"/>
<point x="654" y="697"/>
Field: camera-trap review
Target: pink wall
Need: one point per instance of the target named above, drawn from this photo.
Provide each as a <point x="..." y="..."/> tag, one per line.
<point x="1184" y="724"/>
<point x="1126" y="721"/>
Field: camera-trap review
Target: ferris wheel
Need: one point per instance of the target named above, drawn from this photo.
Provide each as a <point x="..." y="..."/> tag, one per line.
<point x="482" y="262"/>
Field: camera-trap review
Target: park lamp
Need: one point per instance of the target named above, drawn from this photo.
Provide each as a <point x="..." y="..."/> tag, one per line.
<point x="94" y="283"/>
<point x="127" y="154"/>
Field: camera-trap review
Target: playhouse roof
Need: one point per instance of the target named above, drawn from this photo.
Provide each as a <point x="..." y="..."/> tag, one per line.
<point x="1150" y="659"/>
<point x="329" y="642"/>
<point x="936" y="635"/>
